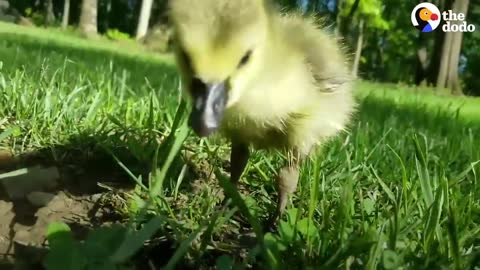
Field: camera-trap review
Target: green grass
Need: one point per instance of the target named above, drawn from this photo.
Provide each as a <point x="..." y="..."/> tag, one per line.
<point x="399" y="190"/>
<point x="468" y="108"/>
<point x="73" y="39"/>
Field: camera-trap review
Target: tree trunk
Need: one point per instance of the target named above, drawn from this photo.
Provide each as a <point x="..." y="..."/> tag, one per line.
<point x="456" y="49"/>
<point x="452" y="46"/>
<point x="144" y="18"/>
<point x="66" y="14"/>
<point x="444" y="62"/>
<point x="347" y="21"/>
<point x="436" y="57"/>
<point x="338" y="18"/>
<point x="88" y="18"/>
<point x="358" y="52"/>
<point x="109" y="10"/>
<point x="452" y="80"/>
<point x="421" y="59"/>
<point x="49" y="17"/>
<point x="312" y="5"/>
<point x="380" y="62"/>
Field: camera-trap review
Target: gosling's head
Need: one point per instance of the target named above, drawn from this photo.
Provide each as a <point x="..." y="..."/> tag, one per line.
<point x="219" y="44"/>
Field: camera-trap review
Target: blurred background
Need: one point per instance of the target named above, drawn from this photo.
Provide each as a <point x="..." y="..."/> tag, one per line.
<point x="384" y="45"/>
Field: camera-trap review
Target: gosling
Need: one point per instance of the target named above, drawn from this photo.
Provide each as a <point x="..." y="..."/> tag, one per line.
<point x="262" y="79"/>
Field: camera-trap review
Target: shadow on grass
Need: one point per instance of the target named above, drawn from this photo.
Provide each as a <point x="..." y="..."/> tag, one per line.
<point x="83" y="163"/>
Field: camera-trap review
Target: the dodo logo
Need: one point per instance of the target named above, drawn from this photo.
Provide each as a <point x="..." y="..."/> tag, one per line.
<point x="426" y="17"/>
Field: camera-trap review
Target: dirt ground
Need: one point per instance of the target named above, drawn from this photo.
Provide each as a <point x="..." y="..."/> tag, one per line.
<point x="24" y="225"/>
<point x="87" y="195"/>
<point x="25" y="214"/>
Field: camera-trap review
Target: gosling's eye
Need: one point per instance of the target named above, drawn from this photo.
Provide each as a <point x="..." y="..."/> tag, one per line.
<point x="245" y="58"/>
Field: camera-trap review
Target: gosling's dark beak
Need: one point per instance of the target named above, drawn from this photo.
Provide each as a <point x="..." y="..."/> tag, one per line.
<point x="209" y="102"/>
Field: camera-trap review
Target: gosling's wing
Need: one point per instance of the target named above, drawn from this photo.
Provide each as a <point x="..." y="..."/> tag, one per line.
<point x="323" y="53"/>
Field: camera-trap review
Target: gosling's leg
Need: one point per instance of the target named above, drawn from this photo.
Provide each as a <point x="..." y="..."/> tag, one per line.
<point x="238" y="160"/>
<point x="287" y="180"/>
<point x="239" y="156"/>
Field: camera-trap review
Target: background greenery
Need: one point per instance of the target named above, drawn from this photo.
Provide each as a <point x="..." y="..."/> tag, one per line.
<point x="389" y="48"/>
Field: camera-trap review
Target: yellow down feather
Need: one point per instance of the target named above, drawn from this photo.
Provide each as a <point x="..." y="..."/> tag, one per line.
<point x="294" y="91"/>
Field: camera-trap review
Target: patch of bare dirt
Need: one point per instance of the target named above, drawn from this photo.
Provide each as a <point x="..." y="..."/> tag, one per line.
<point x="35" y="193"/>
<point x="24" y="225"/>
<point x="33" y="197"/>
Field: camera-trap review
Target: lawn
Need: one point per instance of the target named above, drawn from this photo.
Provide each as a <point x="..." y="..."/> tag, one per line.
<point x="398" y="190"/>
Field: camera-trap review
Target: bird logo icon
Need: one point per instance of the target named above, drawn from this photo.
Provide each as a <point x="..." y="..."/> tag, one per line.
<point x="426" y="17"/>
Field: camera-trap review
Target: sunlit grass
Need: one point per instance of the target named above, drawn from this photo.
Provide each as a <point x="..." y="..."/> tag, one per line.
<point x="467" y="108"/>
<point x="399" y="190"/>
<point x="74" y="40"/>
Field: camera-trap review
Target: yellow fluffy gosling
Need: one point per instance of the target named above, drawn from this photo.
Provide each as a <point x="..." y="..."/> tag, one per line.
<point x="262" y="79"/>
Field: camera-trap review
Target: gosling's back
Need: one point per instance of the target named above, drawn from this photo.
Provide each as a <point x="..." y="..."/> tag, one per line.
<point x="302" y="91"/>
